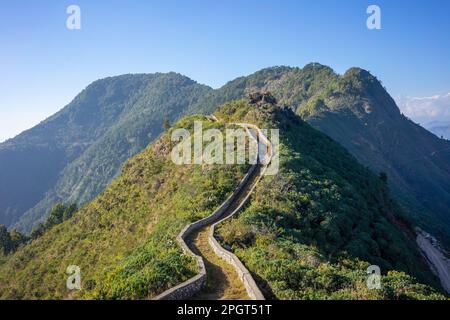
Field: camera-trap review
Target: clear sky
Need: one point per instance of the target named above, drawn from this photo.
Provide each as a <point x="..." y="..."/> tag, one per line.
<point x="43" y="65"/>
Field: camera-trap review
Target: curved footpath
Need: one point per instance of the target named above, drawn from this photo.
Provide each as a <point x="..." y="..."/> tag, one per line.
<point x="216" y="279"/>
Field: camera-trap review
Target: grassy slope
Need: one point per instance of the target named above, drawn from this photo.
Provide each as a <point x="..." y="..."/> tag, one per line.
<point x="124" y="240"/>
<point x="312" y="230"/>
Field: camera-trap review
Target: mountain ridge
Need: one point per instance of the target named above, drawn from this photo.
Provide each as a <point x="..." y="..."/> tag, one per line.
<point x="354" y="109"/>
<point x="310" y="232"/>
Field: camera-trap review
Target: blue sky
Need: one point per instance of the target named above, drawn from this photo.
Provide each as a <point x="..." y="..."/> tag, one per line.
<point x="44" y="65"/>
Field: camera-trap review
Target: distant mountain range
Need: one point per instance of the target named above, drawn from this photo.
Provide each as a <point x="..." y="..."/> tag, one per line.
<point x="73" y="155"/>
<point x="355" y="110"/>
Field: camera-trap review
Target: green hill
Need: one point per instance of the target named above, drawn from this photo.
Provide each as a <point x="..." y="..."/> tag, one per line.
<point x="73" y="155"/>
<point x="124" y="240"/>
<point x="311" y="231"/>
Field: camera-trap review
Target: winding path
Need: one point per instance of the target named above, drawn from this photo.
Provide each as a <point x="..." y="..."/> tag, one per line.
<point x="222" y="280"/>
<point x="222" y="275"/>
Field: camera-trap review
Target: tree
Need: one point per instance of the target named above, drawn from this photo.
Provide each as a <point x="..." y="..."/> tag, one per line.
<point x="17" y="239"/>
<point x="57" y="215"/>
<point x="5" y="240"/>
<point x="10" y="241"/>
<point x="166" y="124"/>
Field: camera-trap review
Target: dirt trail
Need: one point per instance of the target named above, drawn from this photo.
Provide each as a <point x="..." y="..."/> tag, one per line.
<point x="222" y="282"/>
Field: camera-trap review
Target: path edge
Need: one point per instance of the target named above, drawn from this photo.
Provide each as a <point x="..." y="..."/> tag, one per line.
<point x="193" y="285"/>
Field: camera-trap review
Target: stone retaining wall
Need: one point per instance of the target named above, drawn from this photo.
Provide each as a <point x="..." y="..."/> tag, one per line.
<point x="245" y="276"/>
<point x="193" y="285"/>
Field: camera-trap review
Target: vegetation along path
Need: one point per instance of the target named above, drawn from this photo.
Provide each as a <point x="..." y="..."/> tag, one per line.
<point x="222" y="281"/>
<point x="218" y="278"/>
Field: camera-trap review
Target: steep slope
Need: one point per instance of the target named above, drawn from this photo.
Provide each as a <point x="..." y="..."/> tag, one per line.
<point x="355" y="110"/>
<point x="360" y="114"/>
<point x="323" y="208"/>
<point x="440" y="129"/>
<point x="312" y="230"/>
<point x="73" y="155"/>
<point x="124" y="240"/>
